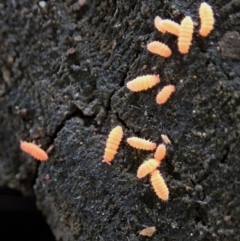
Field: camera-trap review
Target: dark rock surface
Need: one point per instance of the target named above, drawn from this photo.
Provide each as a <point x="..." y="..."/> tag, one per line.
<point x="63" y="70"/>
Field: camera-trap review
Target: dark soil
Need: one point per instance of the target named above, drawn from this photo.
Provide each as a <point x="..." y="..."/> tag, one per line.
<point x="63" y="71"/>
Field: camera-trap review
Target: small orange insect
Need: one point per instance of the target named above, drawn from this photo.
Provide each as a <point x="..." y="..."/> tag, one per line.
<point x="140" y="143"/>
<point x="170" y="26"/>
<point x="147" y="167"/>
<point x="159" y="48"/>
<point x="164" y="94"/>
<point x="185" y="35"/>
<point x="113" y="143"/>
<point x="33" y="150"/>
<point x="159" y="185"/>
<point x="143" y="82"/>
<point x="157" y="23"/>
<point x="160" y="152"/>
<point x="207" y="19"/>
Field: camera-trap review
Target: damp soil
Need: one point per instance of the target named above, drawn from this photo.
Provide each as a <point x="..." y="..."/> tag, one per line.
<point x="63" y="70"/>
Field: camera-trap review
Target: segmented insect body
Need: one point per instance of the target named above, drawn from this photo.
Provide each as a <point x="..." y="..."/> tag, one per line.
<point x="157" y="23"/>
<point x="164" y="94"/>
<point x="112" y="144"/>
<point x="159" y="48"/>
<point x="170" y="26"/>
<point x="140" y="143"/>
<point x="33" y="150"/>
<point x="207" y="19"/>
<point x="143" y="82"/>
<point x="159" y="185"/>
<point x="160" y="152"/>
<point x="147" y="167"/>
<point x="185" y="35"/>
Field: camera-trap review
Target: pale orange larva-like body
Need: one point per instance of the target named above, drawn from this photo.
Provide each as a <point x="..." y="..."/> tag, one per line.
<point x="157" y="23"/>
<point x="207" y="19"/>
<point x="160" y="152"/>
<point x="143" y="82"/>
<point x="112" y="144"/>
<point x="147" y="167"/>
<point x="159" y="48"/>
<point x="170" y="26"/>
<point x="33" y="150"/>
<point x="185" y="35"/>
<point x="159" y="185"/>
<point x="164" y="94"/>
<point x="142" y="144"/>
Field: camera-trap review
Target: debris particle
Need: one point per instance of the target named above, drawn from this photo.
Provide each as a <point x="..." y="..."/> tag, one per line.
<point x="114" y="44"/>
<point x="6" y="75"/>
<point x="198" y="188"/>
<point x="174" y="225"/>
<point x="47" y="177"/>
<point x="77" y="38"/>
<point x="71" y="51"/>
<point x="149" y="231"/>
<point x="42" y="4"/>
<point x="227" y="220"/>
<point x="188" y="188"/>
<point x="230" y="45"/>
<point x="2" y="89"/>
<point x="22" y="112"/>
<point x="166" y="139"/>
<point x="82" y="3"/>
<point x="50" y="148"/>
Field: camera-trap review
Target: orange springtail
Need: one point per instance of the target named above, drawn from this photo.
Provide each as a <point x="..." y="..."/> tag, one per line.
<point x="157" y="23"/>
<point x="170" y="26"/>
<point x="143" y="82"/>
<point x="160" y="152"/>
<point x="159" y="48"/>
<point x="164" y="94"/>
<point x="185" y="35"/>
<point x="147" y="167"/>
<point x="112" y="144"/>
<point x="140" y="143"/>
<point x="33" y="150"/>
<point x="159" y="185"/>
<point x="207" y="19"/>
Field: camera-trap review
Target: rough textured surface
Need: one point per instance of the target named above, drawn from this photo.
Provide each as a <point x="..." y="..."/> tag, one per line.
<point x="230" y="45"/>
<point x="64" y="67"/>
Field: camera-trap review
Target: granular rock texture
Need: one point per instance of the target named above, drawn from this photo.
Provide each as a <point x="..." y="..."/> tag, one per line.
<point x="64" y="67"/>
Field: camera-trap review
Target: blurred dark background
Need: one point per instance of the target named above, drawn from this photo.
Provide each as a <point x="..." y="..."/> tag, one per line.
<point x="20" y="219"/>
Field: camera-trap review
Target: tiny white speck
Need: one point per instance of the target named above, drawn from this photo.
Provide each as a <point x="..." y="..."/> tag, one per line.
<point x="42" y="4"/>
